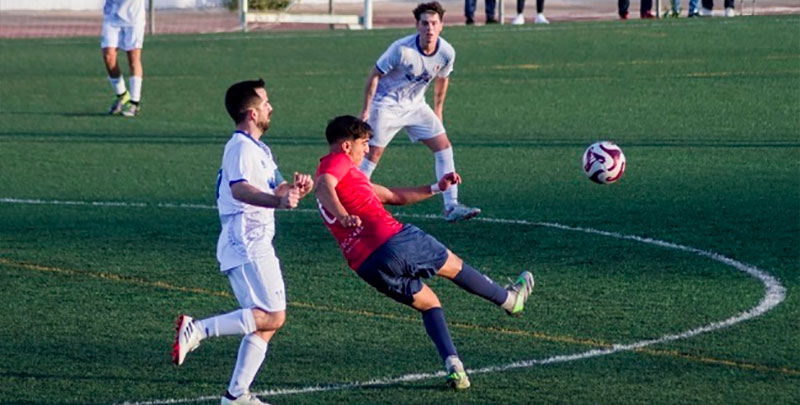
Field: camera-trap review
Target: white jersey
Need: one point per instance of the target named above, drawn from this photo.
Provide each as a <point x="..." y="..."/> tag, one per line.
<point x="124" y="12"/>
<point x="247" y="230"/>
<point x="407" y="72"/>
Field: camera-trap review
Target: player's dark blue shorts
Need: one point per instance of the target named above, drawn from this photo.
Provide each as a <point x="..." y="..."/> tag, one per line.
<point x="397" y="266"/>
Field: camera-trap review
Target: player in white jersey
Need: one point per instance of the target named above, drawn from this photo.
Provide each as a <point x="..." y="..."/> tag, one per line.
<point x="249" y="189"/>
<point x="394" y="99"/>
<point x="123" y="27"/>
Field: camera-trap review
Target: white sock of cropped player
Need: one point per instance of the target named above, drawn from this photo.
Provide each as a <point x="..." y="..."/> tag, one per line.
<point x="443" y="163"/>
<point x="136" y="88"/>
<point x="118" y="84"/>
<point x="240" y="322"/>
<point x="367" y="167"/>
<point x="252" y="352"/>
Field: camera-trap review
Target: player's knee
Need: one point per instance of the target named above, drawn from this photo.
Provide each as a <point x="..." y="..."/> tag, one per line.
<point x="269" y="321"/>
<point x="425" y="299"/>
<point x="375" y="153"/>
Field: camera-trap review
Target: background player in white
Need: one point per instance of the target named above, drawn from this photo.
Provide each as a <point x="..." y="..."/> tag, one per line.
<point x="123" y="27"/>
<point x="249" y="189"/>
<point x="394" y="99"/>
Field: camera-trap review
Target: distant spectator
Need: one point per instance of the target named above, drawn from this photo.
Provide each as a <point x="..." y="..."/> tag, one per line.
<point x="693" y="11"/>
<point x="123" y="27"/>
<point x="540" y="18"/>
<point x="469" y="11"/>
<point x="644" y="10"/>
<point x="708" y="7"/>
<point x="676" y="8"/>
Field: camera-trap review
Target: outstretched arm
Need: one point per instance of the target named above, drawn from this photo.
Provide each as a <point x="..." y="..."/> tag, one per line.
<point x="439" y="94"/>
<point x="369" y="92"/>
<point x="410" y="195"/>
<point x="327" y="198"/>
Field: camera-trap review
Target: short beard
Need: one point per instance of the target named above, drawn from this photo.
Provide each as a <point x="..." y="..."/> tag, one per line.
<point x="263" y="126"/>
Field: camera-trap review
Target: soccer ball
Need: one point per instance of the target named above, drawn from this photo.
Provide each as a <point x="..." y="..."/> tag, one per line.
<point x="603" y="162"/>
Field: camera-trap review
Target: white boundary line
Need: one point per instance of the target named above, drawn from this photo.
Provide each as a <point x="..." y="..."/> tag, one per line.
<point x="774" y="294"/>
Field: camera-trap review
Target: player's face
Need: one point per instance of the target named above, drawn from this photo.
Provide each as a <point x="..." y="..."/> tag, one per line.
<point x="357" y="150"/>
<point x="263" y="111"/>
<point x="429" y="27"/>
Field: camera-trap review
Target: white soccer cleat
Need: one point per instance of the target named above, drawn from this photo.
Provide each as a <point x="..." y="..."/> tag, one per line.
<point x="704" y="12"/>
<point x="247" y="398"/>
<point x="521" y="288"/>
<point x="730" y="12"/>
<point x="518" y="20"/>
<point x="541" y="19"/>
<point x="187" y="339"/>
<point x="460" y="212"/>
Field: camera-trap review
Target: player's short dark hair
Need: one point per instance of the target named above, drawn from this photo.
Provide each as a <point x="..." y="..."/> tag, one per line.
<point x="432" y="7"/>
<point x="347" y="128"/>
<point x="241" y="97"/>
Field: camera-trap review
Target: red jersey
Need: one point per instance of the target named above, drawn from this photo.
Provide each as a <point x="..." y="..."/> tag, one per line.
<point x="356" y="194"/>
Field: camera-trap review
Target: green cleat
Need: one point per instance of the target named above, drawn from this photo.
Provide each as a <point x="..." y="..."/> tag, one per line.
<point x="521" y="289"/>
<point x="458" y="380"/>
<point x="119" y="102"/>
<point x="130" y="110"/>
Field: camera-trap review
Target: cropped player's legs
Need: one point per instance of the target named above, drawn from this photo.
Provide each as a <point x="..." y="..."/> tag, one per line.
<point x="445" y="163"/>
<point x="423" y="125"/>
<point x="511" y="298"/>
<point x="115" y="79"/>
<point x="385" y="124"/>
<point x="259" y="288"/>
<point x="371" y="160"/>
<point x="396" y="269"/>
<point x="135" y="63"/>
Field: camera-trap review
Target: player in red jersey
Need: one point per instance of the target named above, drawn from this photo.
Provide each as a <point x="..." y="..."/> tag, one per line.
<point x="390" y="256"/>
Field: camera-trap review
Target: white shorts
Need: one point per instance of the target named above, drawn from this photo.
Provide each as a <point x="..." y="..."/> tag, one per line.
<point x="420" y="123"/>
<point x="258" y="284"/>
<point x="120" y="36"/>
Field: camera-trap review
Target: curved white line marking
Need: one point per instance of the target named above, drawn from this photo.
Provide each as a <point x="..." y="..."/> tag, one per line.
<point x="774" y="294"/>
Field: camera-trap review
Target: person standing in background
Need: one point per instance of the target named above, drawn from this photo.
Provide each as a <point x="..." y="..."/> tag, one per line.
<point x="520" y="18"/>
<point x="123" y="27"/>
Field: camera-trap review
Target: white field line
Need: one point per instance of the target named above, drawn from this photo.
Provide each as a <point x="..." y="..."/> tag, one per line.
<point x="774" y="294"/>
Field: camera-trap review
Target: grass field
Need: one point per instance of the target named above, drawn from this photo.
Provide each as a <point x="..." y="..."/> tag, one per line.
<point x="108" y="232"/>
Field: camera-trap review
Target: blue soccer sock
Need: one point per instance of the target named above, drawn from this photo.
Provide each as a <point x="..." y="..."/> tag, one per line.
<point x="473" y="281"/>
<point x="438" y="332"/>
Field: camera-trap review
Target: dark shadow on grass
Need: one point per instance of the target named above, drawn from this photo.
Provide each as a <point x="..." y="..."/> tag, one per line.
<point x="86" y="114"/>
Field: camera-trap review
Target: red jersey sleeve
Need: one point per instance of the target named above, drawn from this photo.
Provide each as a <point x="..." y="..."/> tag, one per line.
<point x="335" y="164"/>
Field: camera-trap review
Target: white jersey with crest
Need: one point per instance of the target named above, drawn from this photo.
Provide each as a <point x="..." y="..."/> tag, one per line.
<point x="124" y="12"/>
<point x="407" y="71"/>
<point x="247" y="230"/>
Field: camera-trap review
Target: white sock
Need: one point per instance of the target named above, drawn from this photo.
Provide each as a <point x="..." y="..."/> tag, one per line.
<point x="443" y="163"/>
<point x="118" y="84"/>
<point x="453" y="363"/>
<point x="367" y="167"/>
<point x="240" y="322"/>
<point x="136" y="88"/>
<point x="508" y="305"/>
<point x="252" y="353"/>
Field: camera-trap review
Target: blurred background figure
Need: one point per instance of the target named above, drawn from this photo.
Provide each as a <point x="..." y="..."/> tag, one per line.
<point x="469" y="11"/>
<point x="123" y="27"/>
<point x="520" y="18"/>
<point x="708" y="7"/>
<point x="644" y="9"/>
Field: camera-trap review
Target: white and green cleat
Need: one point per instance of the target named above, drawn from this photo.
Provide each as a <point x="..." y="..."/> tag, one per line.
<point x="521" y="290"/>
<point x="456" y="376"/>
<point x="119" y="102"/>
<point x="458" y="380"/>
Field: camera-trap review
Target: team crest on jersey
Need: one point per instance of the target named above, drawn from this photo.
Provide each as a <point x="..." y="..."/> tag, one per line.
<point x="425" y="77"/>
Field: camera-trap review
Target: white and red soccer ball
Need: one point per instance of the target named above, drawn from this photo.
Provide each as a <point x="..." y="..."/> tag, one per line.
<point x="603" y="162"/>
